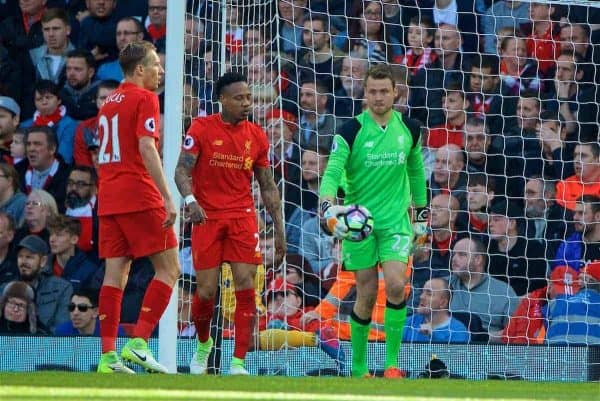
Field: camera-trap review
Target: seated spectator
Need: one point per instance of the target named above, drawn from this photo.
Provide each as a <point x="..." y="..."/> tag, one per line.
<point x="485" y="100"/>
<point x="586" y="180"/>
<point x="348" y="95"/>
<point x="546" y="220"/>
<point x="86" y="142"/>
<point x="12" y="200"/>
<point x="157" y="18"/>
<point x="83" y="313"/>
<point x="480" y="196"/>
<point x="556" y="150"/>
<point x="18" y="311"/>
<point x="39" y="208"/>
<point x="448" y="48"/>
<point x="574" y="320"/>
<point x="317" y="124"/>
<point x="584" y="244"/>
<point x="52" y="294"/>
<point x="66" y="260"/>
<point x="419" y="54"/>
<point x="264" y="99"/>
<point x="17" y="146"/>
<point x="97" y="31"/>
<point x="474" y="291"/>
<point x="291" y="21"/>
<point x="575" y="38"/>
<point x="316" y="246"/>
<point x="82" y="204"/>
<point x="22" y="32"/>
<point x="528" y="325"/>
<point x="432" y="321"/>
<point x="297" y="271"/>
<point x="448" y="174"/>
<point x="517" y="72"/>
<point x="78" y="94"/>
<point x="128" y="30"/>
<point x="282" y="129"/>
<point x="514" y="259"/>
<point x="444" y="212"/>
<point x="10" y="115"/>
<point x="502" y="13"/>
<point x="543" y="43"/>
<point x="368" y="34"/>
<point x="43" y="168"/>
<point x="50" y="113"/>
<point x="8" y="264"/>
<point x="460" y="14"/>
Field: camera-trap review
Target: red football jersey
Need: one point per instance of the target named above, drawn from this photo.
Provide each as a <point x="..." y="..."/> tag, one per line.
<point x="227" y="155"/>
<point x="124" y="184"/>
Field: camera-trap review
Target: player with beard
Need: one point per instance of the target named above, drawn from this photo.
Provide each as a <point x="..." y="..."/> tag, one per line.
<point x="81" y="204"/>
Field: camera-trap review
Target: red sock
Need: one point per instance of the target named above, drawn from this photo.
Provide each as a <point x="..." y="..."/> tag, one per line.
<point x="109" y="313"/>
<point x="245" y="310"/>
<point x="155" y="302"/>
<point x="202" y="313"/>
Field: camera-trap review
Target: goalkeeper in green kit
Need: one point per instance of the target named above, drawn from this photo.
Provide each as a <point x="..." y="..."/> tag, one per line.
<point x="380" y="152"/>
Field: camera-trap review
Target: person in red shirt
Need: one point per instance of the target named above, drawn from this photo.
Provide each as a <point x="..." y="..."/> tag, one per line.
<point x="219" y="155"/>
<point x="135" y="209"/>
<point x="586" y="180"/>
<point x="543" y="43"/>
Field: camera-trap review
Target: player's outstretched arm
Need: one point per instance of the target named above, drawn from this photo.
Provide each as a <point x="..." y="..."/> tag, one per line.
<point x="183" y="180"/>
<point x="272" y="200"/>
<point x="152" y="162"/>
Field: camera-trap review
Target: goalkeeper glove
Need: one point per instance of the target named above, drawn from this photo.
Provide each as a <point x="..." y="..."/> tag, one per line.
<point x="333" y="223"/>
<point x="420" y="225"/>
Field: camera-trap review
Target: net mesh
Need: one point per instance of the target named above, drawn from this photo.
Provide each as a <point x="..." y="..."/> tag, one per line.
<point x="507" y="97"/>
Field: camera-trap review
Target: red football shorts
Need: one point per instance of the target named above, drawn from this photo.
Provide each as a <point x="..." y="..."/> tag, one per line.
<point x="225" y="240"/>
<point x="135" y="234"/>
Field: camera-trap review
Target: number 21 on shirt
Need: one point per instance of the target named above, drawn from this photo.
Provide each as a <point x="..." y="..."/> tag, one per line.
<point x="109" y="131"/>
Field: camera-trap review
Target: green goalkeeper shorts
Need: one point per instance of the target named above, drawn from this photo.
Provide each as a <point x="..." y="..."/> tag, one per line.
<point x="392" y="243"/>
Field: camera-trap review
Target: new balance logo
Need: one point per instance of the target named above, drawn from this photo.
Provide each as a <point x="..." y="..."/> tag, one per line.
<point x="369" y="144"/>
<point x="140" y="357"/>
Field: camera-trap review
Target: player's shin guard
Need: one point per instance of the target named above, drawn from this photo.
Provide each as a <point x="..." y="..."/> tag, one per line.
<point x="202" y="313"/>
<point x="245" y="311"/>
<point x="359" y="335"/>
<point x="109" y="313"/>
<point x="394" y="318"/>
<point x="155" y="302"/>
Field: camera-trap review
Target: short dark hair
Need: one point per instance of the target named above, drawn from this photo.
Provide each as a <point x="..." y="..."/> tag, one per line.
<point x="476" y="121"/>
<point x="380" y="71"/>
<point x="88" y="293"/>
<point x="47" y="131"/>
<point x="44" y="86"/>
<point x="61" y="222"/>
<point x="55" y="13"/>
<point x="594" y="147"/>
<point x="481" y="179"/>
<point x="454" y="87"/>
<point x="134" y="54"/>
<point x="84" y="54"/>
<point x="485" y="61"/>
<point x="227" y="79"/>
<point x="88" y="170"/>
<point x="138" y="25"/>
<point x="110" y="84"/>
<point x="319" y="17"/>
<point x="424" y="21"/>
<point x="591" y="200"/>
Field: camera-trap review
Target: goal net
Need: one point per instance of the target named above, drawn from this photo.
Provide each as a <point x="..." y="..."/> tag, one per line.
<point x="507" y="96"/>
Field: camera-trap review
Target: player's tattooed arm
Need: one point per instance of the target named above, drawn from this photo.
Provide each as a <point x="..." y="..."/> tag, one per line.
<point x="183" y="173"/>
<point x="272" y="200"/>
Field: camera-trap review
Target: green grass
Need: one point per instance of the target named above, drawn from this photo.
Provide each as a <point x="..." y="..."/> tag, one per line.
<point x="59" y="386"/>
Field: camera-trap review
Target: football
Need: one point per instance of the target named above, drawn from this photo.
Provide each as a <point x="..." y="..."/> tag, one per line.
<point x="359" y="222"/>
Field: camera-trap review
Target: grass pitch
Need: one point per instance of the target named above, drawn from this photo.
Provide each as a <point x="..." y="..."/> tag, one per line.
<point x="58" y="386"/>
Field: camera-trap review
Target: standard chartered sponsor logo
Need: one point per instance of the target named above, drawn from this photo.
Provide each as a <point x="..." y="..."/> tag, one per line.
<point x="228" y="160"/>
<point x="385" y="159"/>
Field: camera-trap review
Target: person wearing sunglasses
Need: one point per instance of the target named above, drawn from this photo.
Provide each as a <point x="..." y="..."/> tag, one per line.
<point x="83" y="313"/>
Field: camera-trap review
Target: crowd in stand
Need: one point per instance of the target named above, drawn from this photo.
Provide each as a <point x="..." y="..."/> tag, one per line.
<point x="507" y="93"/>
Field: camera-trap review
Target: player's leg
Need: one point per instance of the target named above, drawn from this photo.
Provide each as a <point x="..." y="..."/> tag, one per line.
<point x="361" y="257"/>
<point x="112" y="244"/>
<point x="394" y="249"/>
<point x="147" y="237"/>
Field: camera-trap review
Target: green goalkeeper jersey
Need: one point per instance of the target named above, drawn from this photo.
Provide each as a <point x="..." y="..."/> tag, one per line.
<point x="384" y="167"/>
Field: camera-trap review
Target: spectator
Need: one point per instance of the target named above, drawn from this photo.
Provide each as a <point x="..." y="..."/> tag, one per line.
<point x="297" y="271"/>
<point x="39" y="207"/>
<point x="86" y="142"/>
<point x="543" y="43"/>
<point x="8" y="264"/>
<point x="79" y="93"/>
<point x="52" y="294"/>
<point x="18" y="311"/>
<point x="66" y="259"/>
<point x="17" y="146"/>
<point x="503" y="13"/>
<point x="419" y="54"/>
<point x="12" y="200"/>
<point x="291" y="22"/>
<point x="22" y="32"/>
<point x="43" y="168"/>
<point x="432" y="321"/>
<point x="316" y="246"/>
<point x="514" y="259"/>
<point x="448" y="48"/>
<point x="546" y="219"/>
<point x="264" y="99"/>
<point x="448" y="174"/>
<point x="586" y="180"/>
<point x="575" y="38"/>
<point x="50" y="113"/>
<point x="484" y="96"/>
<point x="82" y="204"/>
<point x="10" y="114"/>
<point x="157" y="18"/>
<point x="584" y="244"/>
<point x="461" y="15"/>
<point x="555" y="149"/>
<point x="83" y="313"/>
<point x="481" y="192"/>
<point x="574" y="320"/>
<point x="475" y="291"/>
<point x="282" y="128"/>
<point x="263" y="70"/>
<point x="317" y="124"/>
<point x="444" y="211"/>
<point x="97" y="32"/>
<point x="128" y="30"/>
<point x="195" y="46"/>
<point x="516" y="70"/>
<point x="347" y="100"/>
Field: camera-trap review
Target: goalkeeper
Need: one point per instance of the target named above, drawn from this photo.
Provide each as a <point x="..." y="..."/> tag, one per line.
<point x="380" y="152"/>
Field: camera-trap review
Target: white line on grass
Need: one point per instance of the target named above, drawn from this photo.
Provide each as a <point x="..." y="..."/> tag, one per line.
<point x="23" y="392"/>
